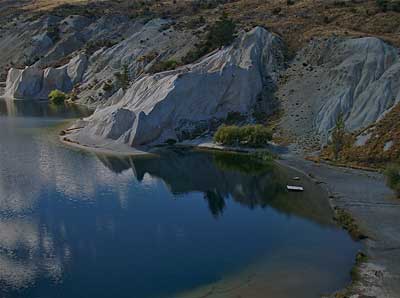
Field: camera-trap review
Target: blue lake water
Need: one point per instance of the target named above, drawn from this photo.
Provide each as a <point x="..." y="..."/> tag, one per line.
<point x="75" y="224"/>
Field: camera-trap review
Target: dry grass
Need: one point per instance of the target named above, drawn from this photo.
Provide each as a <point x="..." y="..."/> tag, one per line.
<point x="45" y="5"/>
<point x="373" y="152"/>
<point x="296" y="23"/>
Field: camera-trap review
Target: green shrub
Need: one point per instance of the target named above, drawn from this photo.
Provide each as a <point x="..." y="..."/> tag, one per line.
<point x="123" y="78"/>
<point x="248" y="135"/>
<point x="338" y="136"/>
<point x="57" y="97"/>
<point x="221" y="33"/>
<point x="392" y="174"/>
<point x="164" y="66"/>
<point x="388" y="5"/>
<point x="108" y="87"/>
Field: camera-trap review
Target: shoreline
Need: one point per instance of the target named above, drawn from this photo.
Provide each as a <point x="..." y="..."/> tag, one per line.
<point x="103" y="150"/>
<point x="365" y="196"/>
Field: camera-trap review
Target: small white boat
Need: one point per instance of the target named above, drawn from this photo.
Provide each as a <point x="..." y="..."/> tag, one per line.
<point x="294" y="188"/>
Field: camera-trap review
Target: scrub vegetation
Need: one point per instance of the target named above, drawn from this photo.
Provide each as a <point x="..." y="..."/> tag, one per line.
<point x="344" y="219"/>
<point x="392" y="174"/>
<point x="296" y="20"/>
<point x="380" y="148"/>
<point x="57" y="97"/>
<point x="249" y="135"/>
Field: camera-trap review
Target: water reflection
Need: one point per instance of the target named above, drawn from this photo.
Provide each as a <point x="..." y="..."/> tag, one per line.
<point x="221" y="176"/>
<point x="76" y="225"/>
<point x="24" y="108"/>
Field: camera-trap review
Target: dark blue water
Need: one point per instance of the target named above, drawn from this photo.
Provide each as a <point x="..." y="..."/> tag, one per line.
<point x="74" y="224"/>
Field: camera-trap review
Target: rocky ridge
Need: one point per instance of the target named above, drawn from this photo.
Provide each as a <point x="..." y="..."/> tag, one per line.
<point x="173" y="104"/>
<point x="84" y="53"/>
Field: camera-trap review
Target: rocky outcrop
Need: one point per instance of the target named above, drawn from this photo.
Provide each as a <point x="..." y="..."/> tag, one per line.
<point x="359" y="78"/>
<point x="168" y="104"/>
<point x="35" y="83"/>
<point x="99" y="48"/>
<point x="149" y="43"/>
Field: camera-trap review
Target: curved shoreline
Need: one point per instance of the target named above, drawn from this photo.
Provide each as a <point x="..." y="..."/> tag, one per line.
<point x="365" y="196"/>
<point x="103" y="150"/>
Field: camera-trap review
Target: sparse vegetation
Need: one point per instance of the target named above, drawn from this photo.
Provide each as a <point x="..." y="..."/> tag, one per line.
<point x="57" y="97"/>
<point x="355" y="271"/>
<point x="108" y="86"/>
<point x="338" y="136"/>
<point x="123" y="77"/>
<point x="221" y="33"/>
<point x="388" y="5"/>
<point x="348" y="223"/>
<point x="248" y="135"/>
<point x="380" y="147"/>
<point x="164" y="66"/>
<point x="392" y="174"/>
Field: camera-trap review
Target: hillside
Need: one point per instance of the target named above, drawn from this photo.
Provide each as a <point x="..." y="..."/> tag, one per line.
<point x="296" y="20"/>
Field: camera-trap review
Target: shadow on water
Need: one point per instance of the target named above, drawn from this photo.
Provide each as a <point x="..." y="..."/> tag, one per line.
<point x="221" y="176"/>
<point x="31" y="108"/>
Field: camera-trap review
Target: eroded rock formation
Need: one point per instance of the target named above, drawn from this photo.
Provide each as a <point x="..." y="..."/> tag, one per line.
<point x="169" y="104"/>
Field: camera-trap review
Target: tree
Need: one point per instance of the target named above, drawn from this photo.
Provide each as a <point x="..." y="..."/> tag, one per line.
<point x="222" y="32"/>
<point x="123" y="77"/>
<point x="338" y="136"/>
<point x="392" y="174"/>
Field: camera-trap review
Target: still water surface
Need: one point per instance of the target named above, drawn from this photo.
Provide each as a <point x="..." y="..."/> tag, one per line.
<point x="184" y="224"/>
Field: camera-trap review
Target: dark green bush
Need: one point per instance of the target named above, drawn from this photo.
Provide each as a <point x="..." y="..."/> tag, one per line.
<point x="388" y="5"/>
<point x="248" y="135"/>
<point x="164" y="66"/>
<point x="392" y="174"/>
<point x="107" y="87"/>
<point x="123" y="78"/>
<point x="338" y="136"/>
<point x="221" y="33"/>
<point x="57" y="97"/>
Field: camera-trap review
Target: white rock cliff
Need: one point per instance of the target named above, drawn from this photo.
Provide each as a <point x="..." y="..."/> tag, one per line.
<point x="161" y="106"/>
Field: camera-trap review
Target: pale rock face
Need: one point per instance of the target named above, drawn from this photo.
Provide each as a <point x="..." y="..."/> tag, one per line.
<point x="157" y="106"/>
<point x="148" y="43"/>
<point x="359" y="78"/>
<point x="24" y="83"/>
<point x="35" y="83"/>
<point x="77" y="67"/>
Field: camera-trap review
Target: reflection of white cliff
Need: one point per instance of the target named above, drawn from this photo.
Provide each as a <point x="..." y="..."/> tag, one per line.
<point x="36" y="253"/>
<point x="31" y="166"/>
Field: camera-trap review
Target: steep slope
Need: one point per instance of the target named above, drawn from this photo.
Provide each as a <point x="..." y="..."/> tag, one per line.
<point x="173" y="104"/>
<point x="376" y="145"/>
<point x="95" y="49"/>
<point x="359" y="78"/>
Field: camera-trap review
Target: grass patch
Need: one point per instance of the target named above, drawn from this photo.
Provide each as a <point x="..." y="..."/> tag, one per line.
<point x="381" y="148"/>
<point x="253" y="136"/>
<point x="57" y="97"/>
<point x="355" y="271"/>
<point x="392" y="174"/>
<point x="344" y="219"/>
<point x="164" y="66"/>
